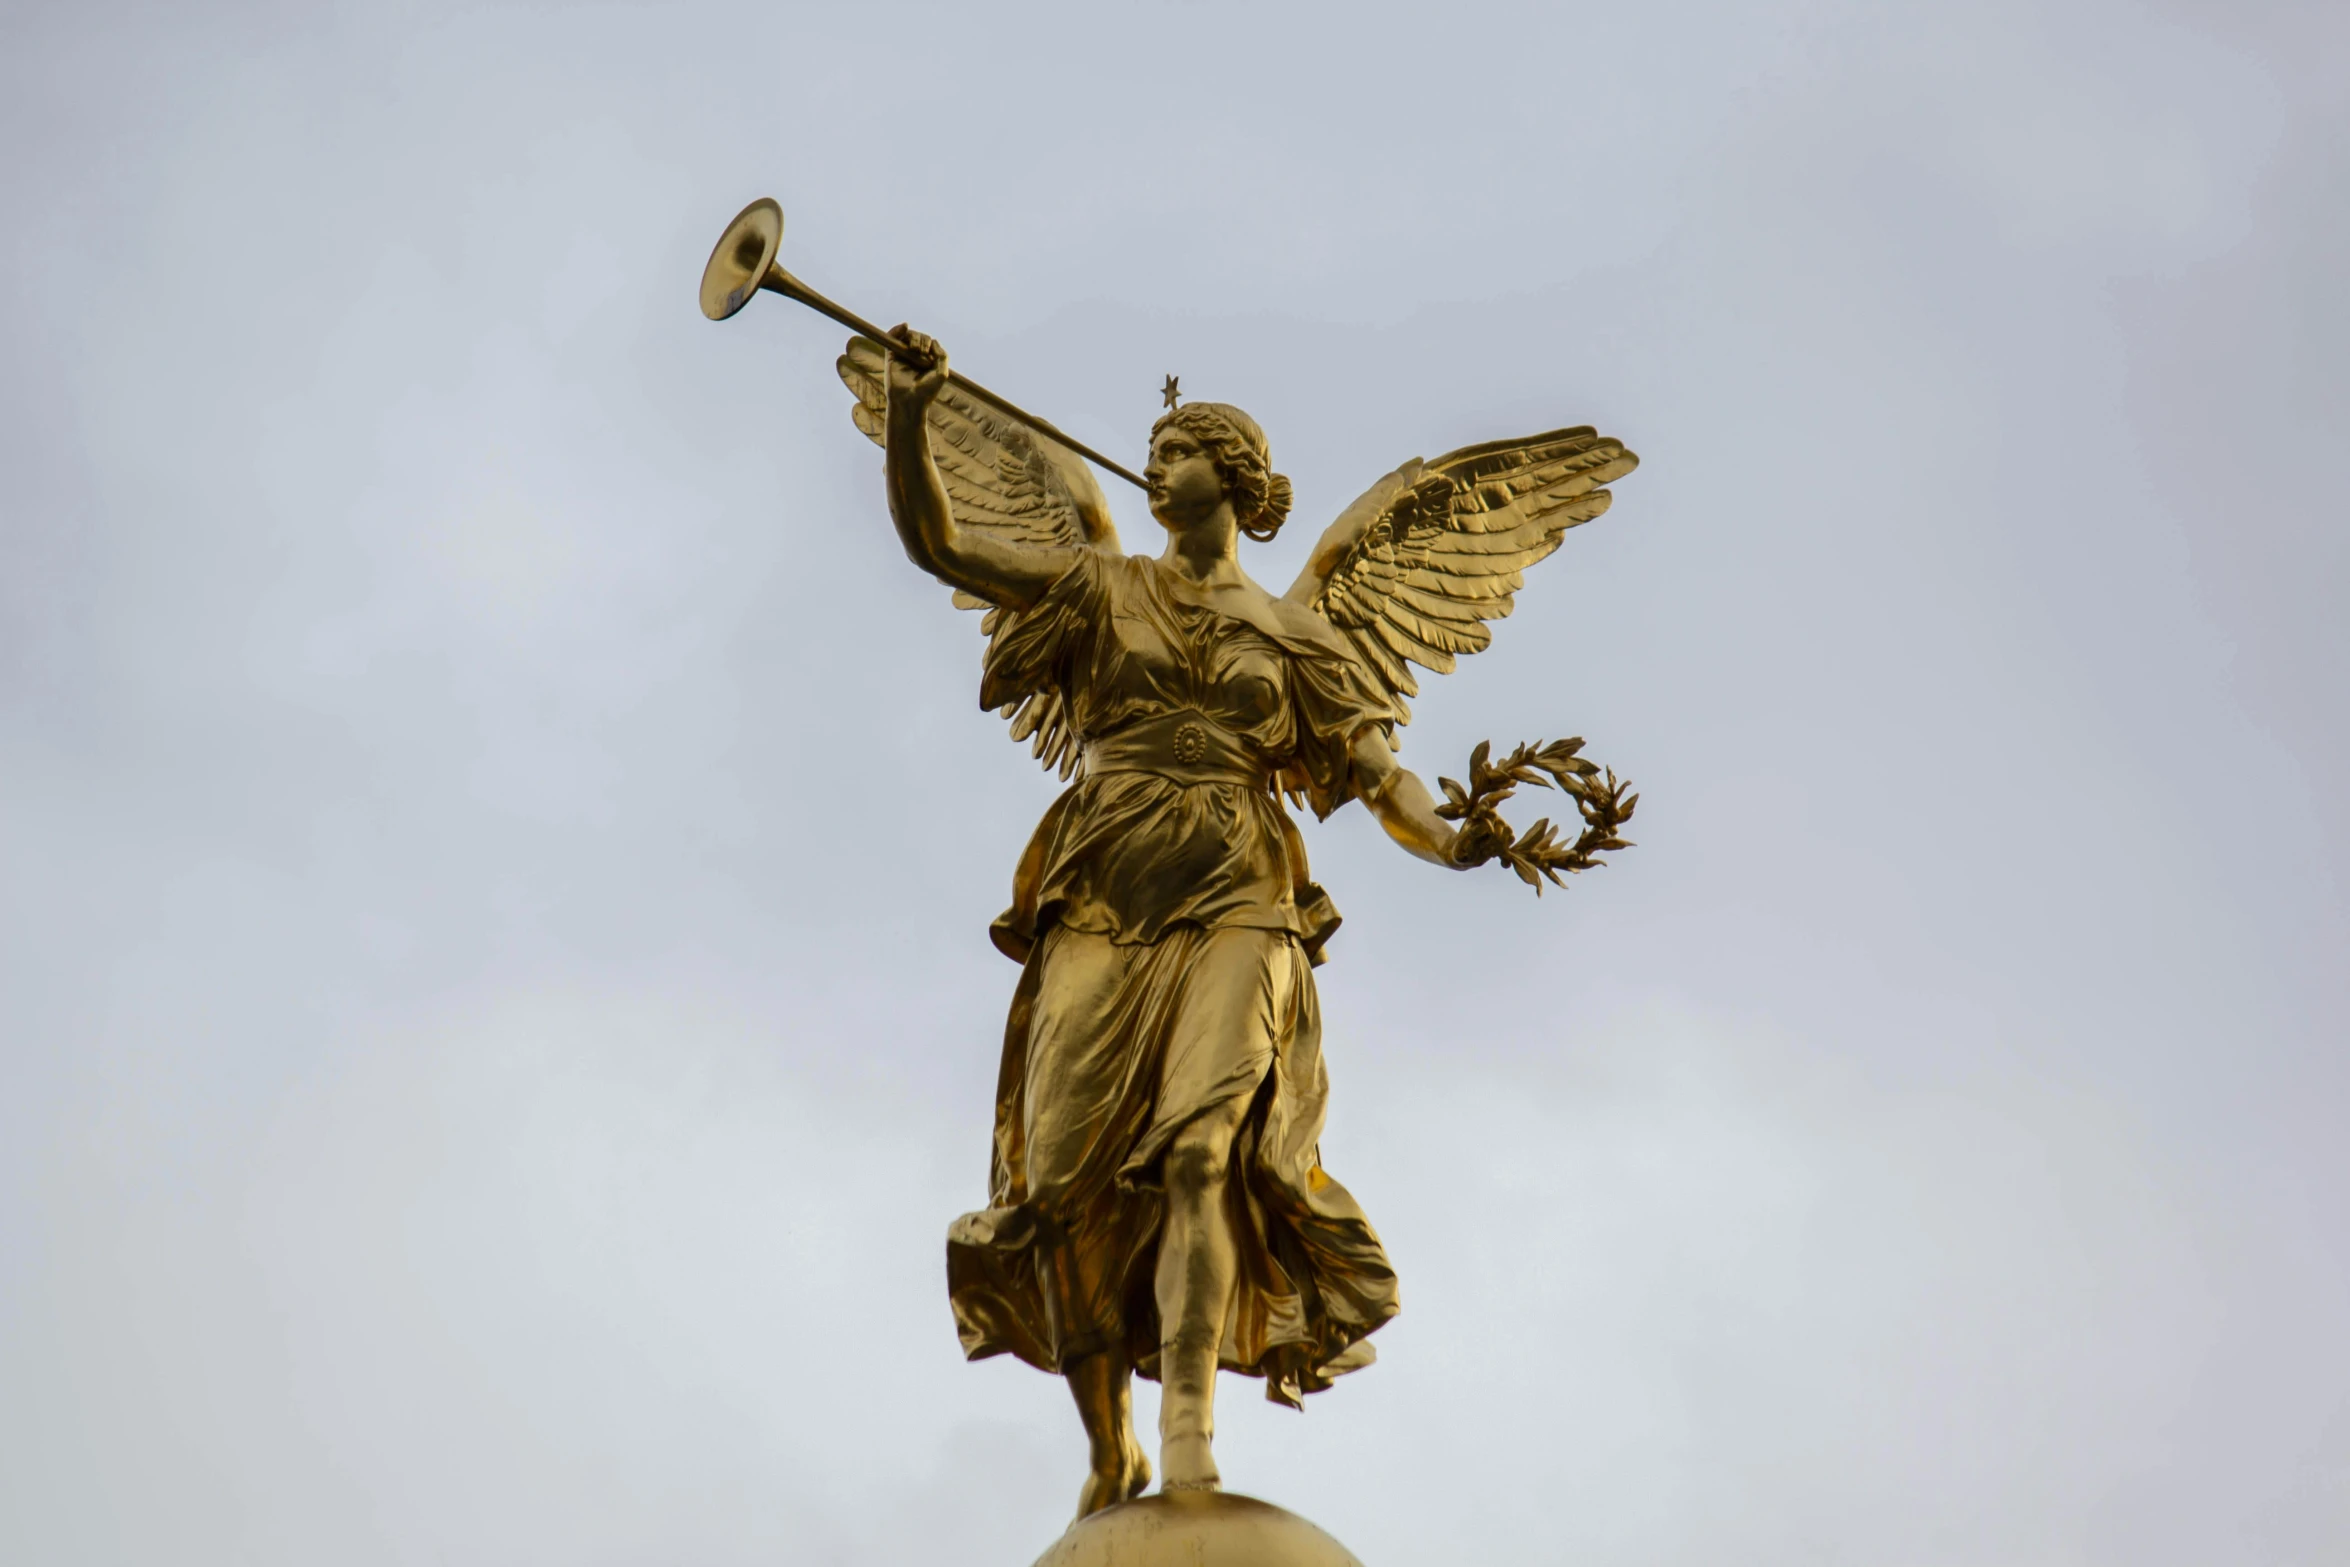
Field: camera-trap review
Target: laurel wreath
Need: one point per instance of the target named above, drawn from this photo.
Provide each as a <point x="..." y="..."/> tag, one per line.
<point x="1538" y="854"/>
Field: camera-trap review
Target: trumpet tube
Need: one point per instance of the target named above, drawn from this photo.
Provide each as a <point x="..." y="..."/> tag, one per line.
<point x="743" y="263"/>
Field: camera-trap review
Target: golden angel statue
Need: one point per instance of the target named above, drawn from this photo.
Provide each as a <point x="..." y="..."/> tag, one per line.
<point x="1156" y="1202"/>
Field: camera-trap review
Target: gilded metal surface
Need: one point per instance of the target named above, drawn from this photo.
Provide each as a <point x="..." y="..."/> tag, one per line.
<point x="1196" y="1529"/>
<point x="1157" y="1202"/>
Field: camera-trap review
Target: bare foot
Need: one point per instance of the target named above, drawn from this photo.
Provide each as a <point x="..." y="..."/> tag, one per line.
<point x="1122" y="1481"/>
<point x="1101" y="1490"/>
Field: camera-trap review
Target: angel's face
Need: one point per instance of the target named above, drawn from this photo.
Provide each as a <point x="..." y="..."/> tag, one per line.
<point x="1185" y="487"/>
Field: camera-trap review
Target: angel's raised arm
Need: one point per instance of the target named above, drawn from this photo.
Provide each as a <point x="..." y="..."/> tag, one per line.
<point x="1002" y="510"/>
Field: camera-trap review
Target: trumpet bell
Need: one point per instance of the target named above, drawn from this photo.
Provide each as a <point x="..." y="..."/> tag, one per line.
<point x="744" y="253"/>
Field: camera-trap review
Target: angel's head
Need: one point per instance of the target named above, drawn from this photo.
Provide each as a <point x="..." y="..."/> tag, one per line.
<point x="1203" y="454"/>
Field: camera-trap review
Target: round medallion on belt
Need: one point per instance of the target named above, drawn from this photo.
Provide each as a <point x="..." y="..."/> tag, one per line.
<point x="1191" y="744"/>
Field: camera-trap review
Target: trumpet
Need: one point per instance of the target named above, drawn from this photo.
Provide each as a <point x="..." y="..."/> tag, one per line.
<point x="744" y="263"/>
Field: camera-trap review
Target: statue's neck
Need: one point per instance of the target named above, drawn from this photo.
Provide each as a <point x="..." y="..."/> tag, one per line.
<point x="1208" y="552"/>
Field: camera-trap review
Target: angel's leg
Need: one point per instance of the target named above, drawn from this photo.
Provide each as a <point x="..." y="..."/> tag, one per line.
<point x="1198" y="1261"/>
<point x="1103" y="1385"/>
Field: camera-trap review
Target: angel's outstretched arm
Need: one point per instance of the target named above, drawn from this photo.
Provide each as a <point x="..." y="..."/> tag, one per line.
<point x="1402" y="803"/>
<point x="998" y="570"/>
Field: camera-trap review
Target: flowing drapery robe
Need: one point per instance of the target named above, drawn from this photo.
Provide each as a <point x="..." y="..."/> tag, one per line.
<point x="1167" y="931"/>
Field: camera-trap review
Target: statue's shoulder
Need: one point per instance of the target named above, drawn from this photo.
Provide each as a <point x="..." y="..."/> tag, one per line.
<point x="1296" y="627"/>
<point x="1300" y="623"/>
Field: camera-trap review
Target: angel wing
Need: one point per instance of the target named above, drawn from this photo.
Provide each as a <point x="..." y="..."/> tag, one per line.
<point x="1012" y="480"/>
<point x="1417" y="580"/>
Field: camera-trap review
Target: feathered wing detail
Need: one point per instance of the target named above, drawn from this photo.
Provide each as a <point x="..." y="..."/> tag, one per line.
<point x="1009" y="479"/>
<point x="1449" y="552"/>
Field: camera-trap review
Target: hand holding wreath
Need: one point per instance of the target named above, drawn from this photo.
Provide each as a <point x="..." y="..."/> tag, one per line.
<point x="1484" y="836"/>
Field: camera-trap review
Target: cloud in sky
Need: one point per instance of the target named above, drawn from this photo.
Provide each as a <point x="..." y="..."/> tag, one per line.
<point x="495" y="1013"/>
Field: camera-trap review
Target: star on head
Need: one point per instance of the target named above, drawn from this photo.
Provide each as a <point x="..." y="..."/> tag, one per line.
<point x="1171" y="391"/>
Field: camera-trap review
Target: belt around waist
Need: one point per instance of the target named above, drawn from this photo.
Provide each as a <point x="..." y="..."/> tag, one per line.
<point x="1188" y="748"/>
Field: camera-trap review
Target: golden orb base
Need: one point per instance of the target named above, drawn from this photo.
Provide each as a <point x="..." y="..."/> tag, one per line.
<point x="1195" y="1529"/>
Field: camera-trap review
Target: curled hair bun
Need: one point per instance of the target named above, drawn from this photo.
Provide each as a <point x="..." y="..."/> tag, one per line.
<point x="1273" y="512"/>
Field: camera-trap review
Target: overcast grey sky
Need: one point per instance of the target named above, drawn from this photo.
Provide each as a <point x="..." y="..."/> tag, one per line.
<point x="495" y="1013"/>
